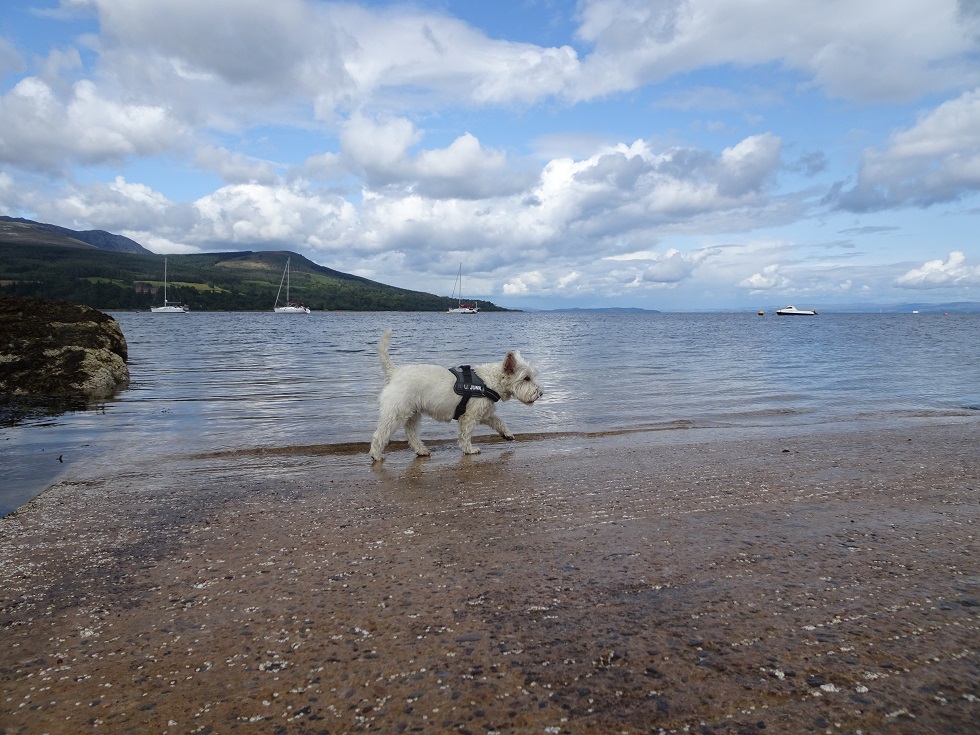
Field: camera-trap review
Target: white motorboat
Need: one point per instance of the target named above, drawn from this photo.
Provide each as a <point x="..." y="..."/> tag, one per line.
<point x="169" y="307"/>
<point x="793" y="311"/>
<point x="461" y="307"/>
<point x="290" y="307"/>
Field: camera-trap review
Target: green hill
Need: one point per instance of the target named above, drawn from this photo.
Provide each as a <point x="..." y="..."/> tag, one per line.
<point x="55" y="265"/>
<point x="16" y="230"/>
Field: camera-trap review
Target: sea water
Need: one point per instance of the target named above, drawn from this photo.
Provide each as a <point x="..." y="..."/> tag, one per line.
<point x="206" y="381"/>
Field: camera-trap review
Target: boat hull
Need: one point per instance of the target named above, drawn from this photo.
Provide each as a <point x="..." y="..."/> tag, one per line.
<point x="169" y="309"/>
<point x="291" y="310"/>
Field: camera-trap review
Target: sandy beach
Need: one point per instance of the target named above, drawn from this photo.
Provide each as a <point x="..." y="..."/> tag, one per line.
<point x="824" y="579"/>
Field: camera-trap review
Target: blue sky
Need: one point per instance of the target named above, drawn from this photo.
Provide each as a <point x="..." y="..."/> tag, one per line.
<point x="665" y="154"/>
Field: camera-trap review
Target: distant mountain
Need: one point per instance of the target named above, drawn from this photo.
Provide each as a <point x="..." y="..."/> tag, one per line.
<point x="16" y="230"/>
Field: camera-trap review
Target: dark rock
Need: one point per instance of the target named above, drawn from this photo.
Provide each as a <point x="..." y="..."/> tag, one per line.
<point x="52" y="348"/>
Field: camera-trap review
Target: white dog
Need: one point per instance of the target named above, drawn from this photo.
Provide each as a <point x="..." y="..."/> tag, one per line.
<point x="465" y="393"/>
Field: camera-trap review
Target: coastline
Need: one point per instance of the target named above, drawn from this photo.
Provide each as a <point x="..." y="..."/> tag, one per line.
<point x="827" y="579"/>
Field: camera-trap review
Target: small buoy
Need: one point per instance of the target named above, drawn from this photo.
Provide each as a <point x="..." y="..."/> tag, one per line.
<point x="761" y="312"/>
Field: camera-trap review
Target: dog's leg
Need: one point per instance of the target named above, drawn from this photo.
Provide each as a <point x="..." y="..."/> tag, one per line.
<point x="378" y="443"/>
<point x="387" y="425"/>
<point x="497" y="424"/>
<point x="467" y="423"/>
<point x="412" y="434"/>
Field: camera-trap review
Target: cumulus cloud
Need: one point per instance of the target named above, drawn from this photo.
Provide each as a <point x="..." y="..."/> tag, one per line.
<point x="673" y="266"/>
<point x="439" y="56"/>
<point x="250" y="42"/>
<point x="524" y="283"/>
<point x="853" y="48"/>
<point x="235" y="167"/>
<point x="936" y="160"/>
<point x="118" y="206"/>
<point x="245" y="216"/>
<point x="280" y="216"/>
<point x="769" y="279"/>
<point x="343" y="57"/>
<point x="570" y="207"/>
<point x="384" y="151"/>
<point x="667" y="268"/>
<point x="43" y="131"/>
<point x="954" y="271"/>
<point x="629" y="188"/>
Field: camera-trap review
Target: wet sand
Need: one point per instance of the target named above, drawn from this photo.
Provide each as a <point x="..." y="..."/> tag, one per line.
<point x="825" y="580"/>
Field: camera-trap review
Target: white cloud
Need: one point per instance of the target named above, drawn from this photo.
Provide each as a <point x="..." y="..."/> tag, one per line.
<point x="439" y="57"/>
<point x="953" y="271"/>
<point x="770" y="279"/>
<point x="854" y="48"/>
<point x="632" y="188"/>
<point x="251" y="42"/>
<point x="936" y="160"/>
<point x="567" y="280"/>
<point x="525" y="283"/>
<point x="638" y="255"/>
<point x="235" y="216"/>
<point x="217" y="60"/>
<point x="279" y="216"/>
<point x="380" y="149"/>
<point x="118" y="206"/>
<point x="44" y="132"/>
<point x="235" y="167"/>
<point x="673" y="266"/>
<point x="383" y="151"/>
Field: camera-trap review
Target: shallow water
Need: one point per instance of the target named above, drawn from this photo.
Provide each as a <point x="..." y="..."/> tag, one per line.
<point x="220" y="381"/>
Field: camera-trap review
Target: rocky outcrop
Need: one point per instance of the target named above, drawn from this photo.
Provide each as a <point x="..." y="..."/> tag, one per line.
<point x="56" y="349"/>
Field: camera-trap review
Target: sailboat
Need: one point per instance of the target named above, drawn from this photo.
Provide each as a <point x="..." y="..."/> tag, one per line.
<point x="462" y="308"/>
<point x="169" y="307"/>
<point x="289" y="307"/>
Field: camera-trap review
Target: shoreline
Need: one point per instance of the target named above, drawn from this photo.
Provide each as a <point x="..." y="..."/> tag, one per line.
<point x="817" y="580"/>
<point x="29" y="474"/>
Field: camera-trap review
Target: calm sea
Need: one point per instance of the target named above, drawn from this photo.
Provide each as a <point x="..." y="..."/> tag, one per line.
<point x="213" y="381"/>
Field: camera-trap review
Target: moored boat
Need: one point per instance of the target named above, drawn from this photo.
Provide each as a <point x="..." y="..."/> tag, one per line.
<point x="793" y="311"/>
<point x="461" y="307"/>
<point x="290" y="307"/>
<point x="169" y="307"/>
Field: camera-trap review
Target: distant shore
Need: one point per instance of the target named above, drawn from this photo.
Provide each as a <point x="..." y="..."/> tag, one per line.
<point x="824" y="579"/>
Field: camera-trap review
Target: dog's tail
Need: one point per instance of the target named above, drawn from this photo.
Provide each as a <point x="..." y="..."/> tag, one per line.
<point x="386" y="363"/>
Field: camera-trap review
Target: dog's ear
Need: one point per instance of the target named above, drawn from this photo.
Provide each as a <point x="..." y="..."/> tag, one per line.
<point x="510" y="363"/>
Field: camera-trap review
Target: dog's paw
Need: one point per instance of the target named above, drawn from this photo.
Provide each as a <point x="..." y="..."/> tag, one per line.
<point x="472" y="450"/>
<point x="423" y="453"/>
<point x="508" y="437"/>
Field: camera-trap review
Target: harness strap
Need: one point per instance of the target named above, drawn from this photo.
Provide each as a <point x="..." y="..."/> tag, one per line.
<point x="468" y="385"/>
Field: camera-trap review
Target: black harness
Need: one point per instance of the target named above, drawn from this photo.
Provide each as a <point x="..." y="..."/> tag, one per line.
<point x="469" y="385"/>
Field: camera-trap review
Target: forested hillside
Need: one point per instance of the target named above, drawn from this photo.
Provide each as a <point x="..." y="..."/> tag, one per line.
<point x="235" y="281"/>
